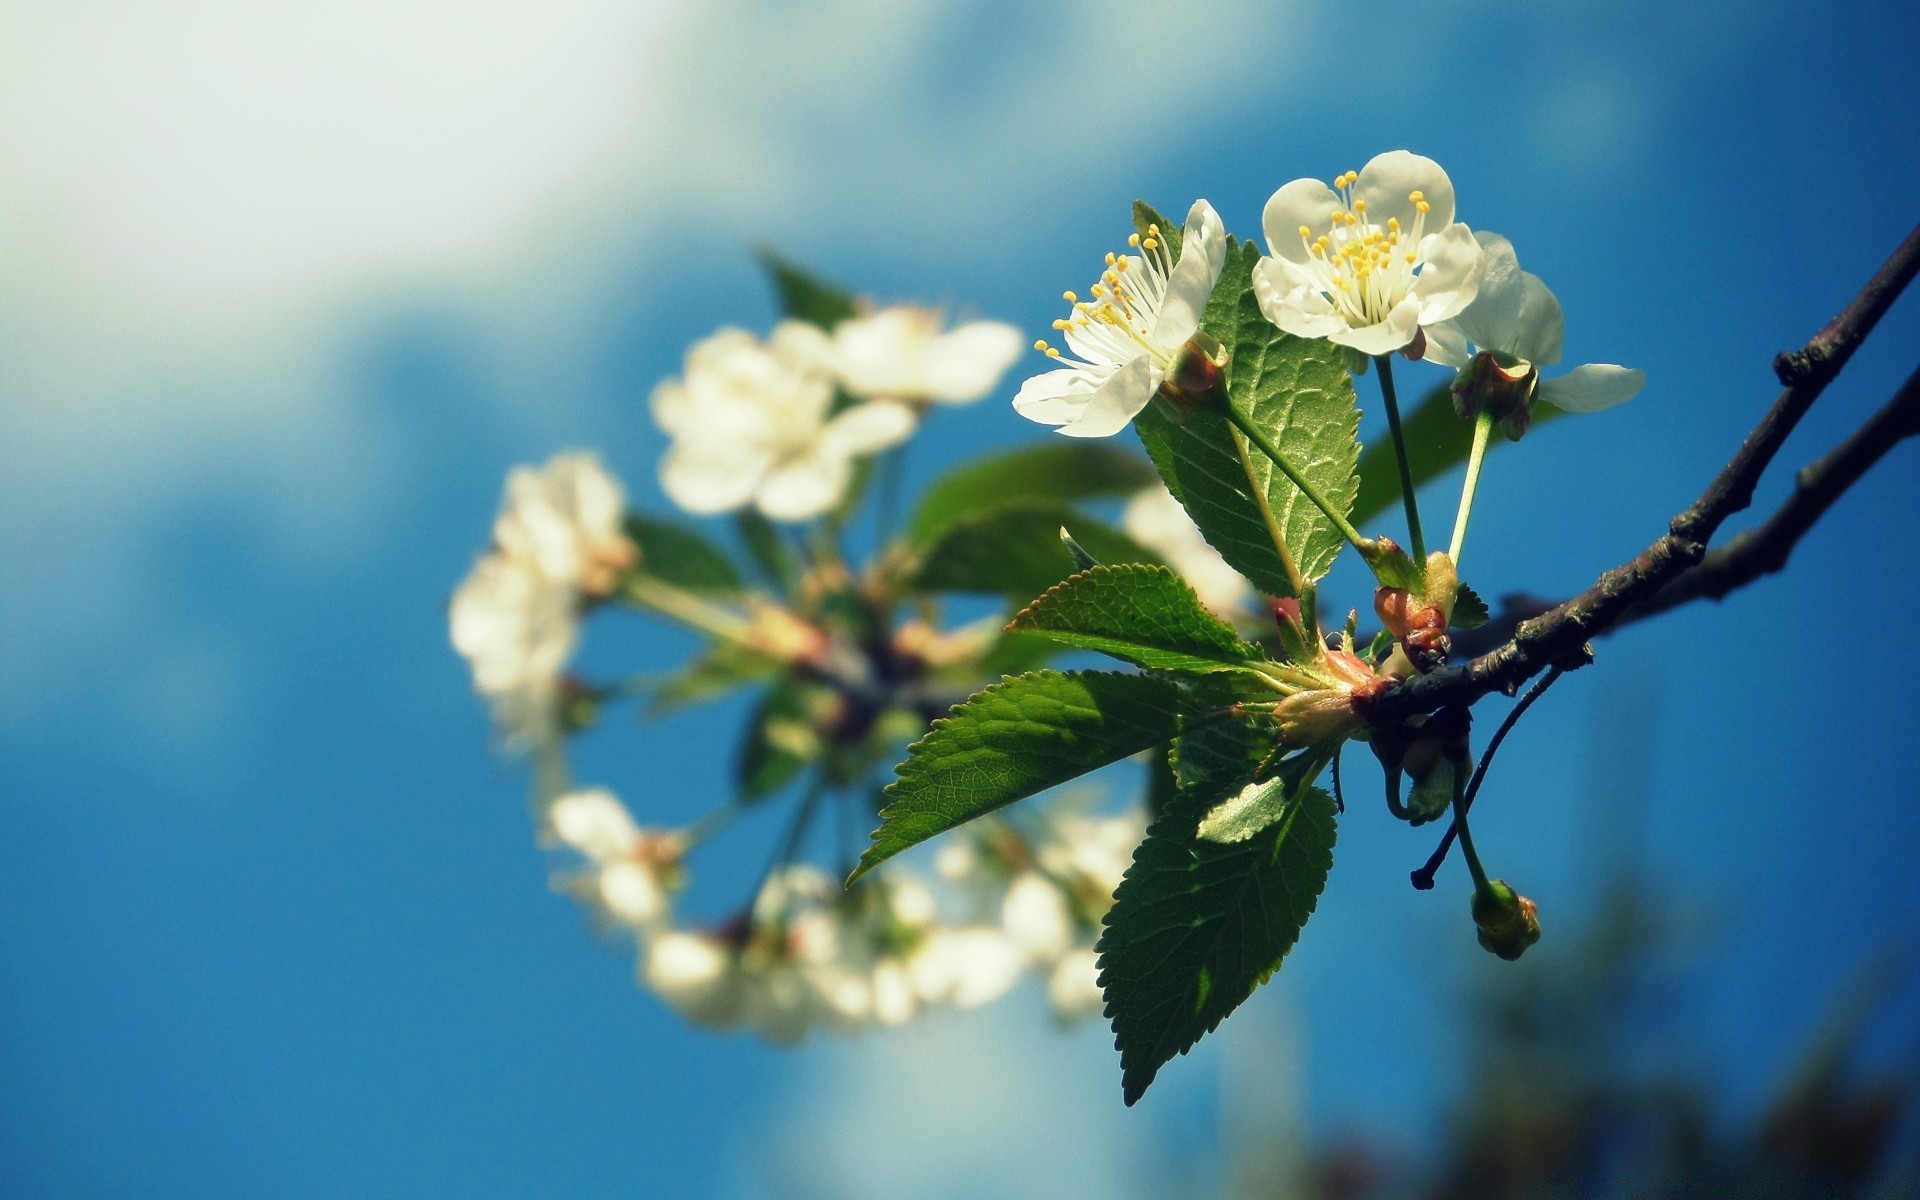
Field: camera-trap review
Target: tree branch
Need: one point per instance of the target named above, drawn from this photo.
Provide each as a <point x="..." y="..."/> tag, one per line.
<point x="1559" y="635"/>
<point x="1754" y="553"/>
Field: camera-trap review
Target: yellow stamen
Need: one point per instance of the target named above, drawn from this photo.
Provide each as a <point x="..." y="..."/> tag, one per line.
<point x="1069" y="297"/>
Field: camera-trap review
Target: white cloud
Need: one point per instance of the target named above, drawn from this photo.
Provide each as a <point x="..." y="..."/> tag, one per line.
<point x="204" y="202"/>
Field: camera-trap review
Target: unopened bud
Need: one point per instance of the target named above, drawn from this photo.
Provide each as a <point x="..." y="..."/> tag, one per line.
<point x="1508" y="922"/>
<point x="779" y="634"/>
<point x="1312" y="717"/>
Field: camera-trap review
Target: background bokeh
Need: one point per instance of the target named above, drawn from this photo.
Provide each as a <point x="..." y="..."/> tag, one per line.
<point x="285" y="289"/>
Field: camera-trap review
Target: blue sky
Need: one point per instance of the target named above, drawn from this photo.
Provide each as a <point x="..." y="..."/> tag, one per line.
<point x="282" y="297"/>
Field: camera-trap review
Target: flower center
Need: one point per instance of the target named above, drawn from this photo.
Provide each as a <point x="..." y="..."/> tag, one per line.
<point x="1362" y="268"/>
<point x="1115" y="323"/>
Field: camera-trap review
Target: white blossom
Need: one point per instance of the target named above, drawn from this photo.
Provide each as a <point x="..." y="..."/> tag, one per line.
<point x="1369" y="261"/>
<point x="902" y="353"/>
<point x="752" y="422"/>
<point x="1157" y="521"/>
<point x="516" y="627"/>
<point x="1517" y="319"/>
<point x="1129" y="334"/>
<point x="565" y="518"/>
<point x="1073" y="988"/>
<point x="967" y="967"/>
<point x="594" y="822"/>
<point x="697" y="976"/>
<point x="1036" y="916"/>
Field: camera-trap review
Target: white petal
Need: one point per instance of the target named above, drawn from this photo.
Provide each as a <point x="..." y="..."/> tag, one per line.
<point x="1450" y="278"/>
<point x="1034" y="914"/>
<point x="966" y="364"/>
<point x="1446" y="345"/>
<point x="1388" y="179"/>
<point x="876" y="355"/>
<point x="697" y="977"/>
<point x="1203" y="251"/>
<point x="1291" y="303"/>
<point x="1383" y="337"/>
<point x="1541" y="332"/>
<point x="1117" y="401"/>
<point x="1491" y="320"/>
<point x="594" y="822"/>
<point x="1306" y="202"/>
<point x="802" y="345"/>
<point x="868" y="427"/>
<point x="1058" y="397"/>
<point x="632" y="894"/>
<point x="804" y="487"/>
<point x="1592" y="387"/>
<point x="712" y="476"/>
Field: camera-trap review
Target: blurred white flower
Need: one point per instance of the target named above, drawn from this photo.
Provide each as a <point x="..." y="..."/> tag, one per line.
<point x="594" y="822"/>
<point x="697" y="976"/>
<point x="902" y="353"/>
<point x="894" y="1001"/>
<point x="632" y="893"/>
<point x="1518" y="322"/>
<point x="1074" y="987"/>
<point x="1368" y="262"/>
<point x="1036" y="916"/>
<point x="516" y="628"/>
<point x="752" y="422"/>
<point x="967" y="967"/>
<point x="1155" y="520"/>
<point x="565" y="517"/>
<point x="1130" y="334"/>
<point x="1089" y="855"/>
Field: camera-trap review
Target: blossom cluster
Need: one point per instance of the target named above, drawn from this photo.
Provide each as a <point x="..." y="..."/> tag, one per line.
<point x="779" y="423"/>
<point x="1374" y="263"/>
<point x="558" y="546"/>
<point x="807" y="955"/>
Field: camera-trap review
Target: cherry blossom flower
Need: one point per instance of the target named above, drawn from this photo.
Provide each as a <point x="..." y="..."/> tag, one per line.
<point x="1130" y="334"/>
<point x="516" y="627"/>
<point x="1155" y="520"/>
<point x="565" y="517"/>
<point x="752" y="422"/>
<point x="1514" y="327"/>
<point x="1367" y="262"/>
<point x="698" y="976"/>
<point x="903" y="354"/>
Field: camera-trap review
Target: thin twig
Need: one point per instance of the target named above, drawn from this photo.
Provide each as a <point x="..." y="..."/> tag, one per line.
<point x="1423" y="878"/>
<point x="1539" y="643"/>
<point x="1755" y="553"/>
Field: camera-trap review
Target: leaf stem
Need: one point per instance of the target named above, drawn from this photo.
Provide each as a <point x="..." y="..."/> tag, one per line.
<point x="1296" y="582"/>
<point x="1385" y="364"/>
<point x="1294" y="476"/>
<point x="686" y="607"/>
<point x="1480" y="885"/>
<point x="1482" y="429"/>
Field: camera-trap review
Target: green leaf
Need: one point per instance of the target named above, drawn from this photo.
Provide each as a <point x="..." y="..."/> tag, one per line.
<point x="1017" y="551"/>
<point x="1469" y="610"/>
<point x="1144" y="614"/>
<point x="1162" y="786"/>
<point x="768" y="548"/>
<point x="1437" y="441"/>
<point x="677" y="555"/>
<point x="779" y="743"/>
<point x="1063" y="469"/>
<point x="1146" y="217"/>
<point x="1297" y="391"/>
<point x="717" y="670"/>
<point x="1019" y="737"/>
<point x="1197" y="925"/>
<point x="803" y="296"/>
<point x="1263" y="801"/>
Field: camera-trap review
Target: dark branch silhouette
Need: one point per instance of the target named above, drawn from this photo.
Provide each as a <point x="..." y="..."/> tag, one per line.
<point x="1560" y="634"/>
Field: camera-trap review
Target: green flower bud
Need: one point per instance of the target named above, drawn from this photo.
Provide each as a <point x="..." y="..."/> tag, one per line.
<point x="1508" y="921"/>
